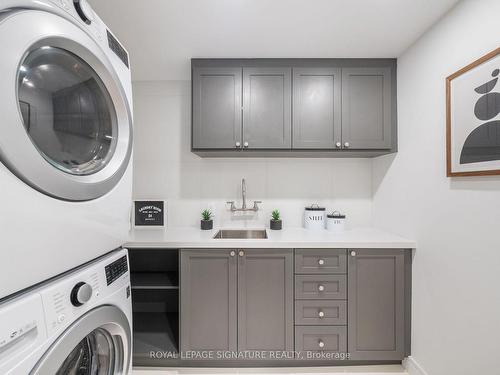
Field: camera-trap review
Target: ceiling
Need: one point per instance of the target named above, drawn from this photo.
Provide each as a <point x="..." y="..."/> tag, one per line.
<point x="162" y="35"/>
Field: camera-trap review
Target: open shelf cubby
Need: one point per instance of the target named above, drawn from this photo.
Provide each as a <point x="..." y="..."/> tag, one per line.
<point x="155" y="303"/>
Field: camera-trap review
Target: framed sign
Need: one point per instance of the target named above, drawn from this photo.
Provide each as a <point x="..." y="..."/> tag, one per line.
<point x="472" y="118"/>
<point x="149" y="213"/>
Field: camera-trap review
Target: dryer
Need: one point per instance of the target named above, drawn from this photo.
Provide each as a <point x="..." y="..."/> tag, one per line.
<point x="78" y="323"/>
<point x="65" y="140"/>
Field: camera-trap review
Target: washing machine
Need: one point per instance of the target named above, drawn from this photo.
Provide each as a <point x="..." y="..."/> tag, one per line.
<point x="65" y="140"/>
<point x="78" y="323"/>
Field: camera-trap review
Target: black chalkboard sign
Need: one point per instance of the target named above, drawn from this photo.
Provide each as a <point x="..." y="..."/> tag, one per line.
<point x="149" y="213"/>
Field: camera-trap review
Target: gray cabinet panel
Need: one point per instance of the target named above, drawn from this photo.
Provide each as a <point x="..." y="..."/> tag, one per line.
<point x="216" y="107"/>
<point x="320" y="286"/>
<point x="265" y="300"/>
<point x="325" y="339"/>
<point x="320" y="312"/>
<point x="366" y="108"/>
<point x="267" y="108"/>
<point x="316" y="108"/>
<point x="376" y="308"/>
<point x="309" y="261"/>
<point x="208" y="300"/>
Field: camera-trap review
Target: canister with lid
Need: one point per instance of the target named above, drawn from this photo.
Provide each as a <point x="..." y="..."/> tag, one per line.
<point x="314" y="217"/>
<point x="335" y="222"/>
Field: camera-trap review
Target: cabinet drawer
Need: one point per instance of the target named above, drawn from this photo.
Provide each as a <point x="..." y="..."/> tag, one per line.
<point x="311" y="261"/>
<point x="327" y="339"/>
<point x="320" y="287"/>
<point x="320" y="312"/>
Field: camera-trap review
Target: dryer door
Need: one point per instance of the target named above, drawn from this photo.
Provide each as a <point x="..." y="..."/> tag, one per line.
<point x="99" y="343"/>
<point x="66" y="125"/>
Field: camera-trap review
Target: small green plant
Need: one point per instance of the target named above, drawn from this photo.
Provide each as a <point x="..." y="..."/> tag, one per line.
<point x="275" y="215"/>
<point x="206" y="215"/>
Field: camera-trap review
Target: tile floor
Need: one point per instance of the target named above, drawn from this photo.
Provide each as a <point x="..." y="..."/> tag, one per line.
<point x="362" y="370"/>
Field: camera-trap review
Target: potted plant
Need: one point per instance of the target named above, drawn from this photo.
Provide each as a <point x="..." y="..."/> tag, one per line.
<point x="276" y="223"/>
<point x="206" y="220"/>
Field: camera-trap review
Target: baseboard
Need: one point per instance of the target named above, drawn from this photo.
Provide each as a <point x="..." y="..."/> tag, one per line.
<point x="412" y="367"/>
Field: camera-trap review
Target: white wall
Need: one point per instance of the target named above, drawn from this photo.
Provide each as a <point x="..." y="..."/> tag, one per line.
<point x="456" y="222"/>
<point x="166" y="169"/>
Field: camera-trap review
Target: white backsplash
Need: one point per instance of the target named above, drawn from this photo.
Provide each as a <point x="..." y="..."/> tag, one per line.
<point x="165" y="168"/>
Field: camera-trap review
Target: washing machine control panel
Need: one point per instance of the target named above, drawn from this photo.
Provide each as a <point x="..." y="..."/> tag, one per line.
<point x="68" y="298"/>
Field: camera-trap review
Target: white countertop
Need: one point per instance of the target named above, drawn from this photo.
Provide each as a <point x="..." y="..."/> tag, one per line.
<point x="193" y="237"/>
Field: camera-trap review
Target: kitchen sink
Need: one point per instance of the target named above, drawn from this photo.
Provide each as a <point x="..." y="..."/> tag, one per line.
<point x="241" y="234"/>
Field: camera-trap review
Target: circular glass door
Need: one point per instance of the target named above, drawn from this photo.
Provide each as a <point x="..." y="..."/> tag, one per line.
<point x="66" y="110"/>
<point x="94" y="355"/>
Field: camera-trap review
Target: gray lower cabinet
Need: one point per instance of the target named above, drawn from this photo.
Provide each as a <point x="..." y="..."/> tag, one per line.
<point x="376" y="304"/>
<point x="267" y="116"/>
<point x="236" y="299"/>
<point x="265" y="300"/>
<point x="366" y="108"/>
<point x="216" y="107"/>
<point x="208" y="300"/>
<point x="317" y="108"/>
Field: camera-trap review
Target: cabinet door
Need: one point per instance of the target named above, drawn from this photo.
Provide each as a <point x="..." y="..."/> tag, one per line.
<point x="376" y="291"/>
<point x="265" y="300"/>
<point x="208" y="300"/>
<point x="267" y="108"/>
<point x="216" y="108"/>
<point x="366" y="108"/>
<point x="316" y="108"/>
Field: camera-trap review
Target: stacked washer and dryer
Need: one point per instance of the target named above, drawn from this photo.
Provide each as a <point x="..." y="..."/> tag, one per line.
<point x="65" y="191"/>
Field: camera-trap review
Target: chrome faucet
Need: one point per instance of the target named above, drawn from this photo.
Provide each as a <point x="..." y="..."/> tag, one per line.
<point x="255" y="207"/>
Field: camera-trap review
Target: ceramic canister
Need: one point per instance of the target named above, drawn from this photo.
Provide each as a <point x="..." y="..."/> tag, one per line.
<point x="314" y="217"/>
<point x="335" y="222"/>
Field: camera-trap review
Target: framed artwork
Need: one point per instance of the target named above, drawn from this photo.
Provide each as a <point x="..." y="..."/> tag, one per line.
<point x="149" y="213"/>
<point x="473" y="118"/>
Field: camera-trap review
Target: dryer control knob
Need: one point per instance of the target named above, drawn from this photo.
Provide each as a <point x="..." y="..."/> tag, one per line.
<point x="84" y="11"/>
<point x="81" y="294"/>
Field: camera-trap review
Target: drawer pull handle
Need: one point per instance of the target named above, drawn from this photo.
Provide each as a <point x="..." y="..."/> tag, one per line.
<point x="241" y="253"/>
<point x="321" y="314"/>
<point x="321" y="344"/>
<point x="321" y="288"/>
<point x="353" y="253"/>
<point x="321" y="262"/>
<point x="232" y="253"/>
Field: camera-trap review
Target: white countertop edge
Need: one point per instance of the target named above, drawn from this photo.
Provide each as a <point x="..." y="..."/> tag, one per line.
<point x="192" y="237"/>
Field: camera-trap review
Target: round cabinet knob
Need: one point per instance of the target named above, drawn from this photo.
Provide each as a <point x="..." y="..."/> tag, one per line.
<point x="346" y="144"/>
<point x="353" y="253"/>
<point x="241" y="253"/>
<point x="321" y="262"/>
<point x="321" y="314"/>
<point x="338" y="145"/>
<point x="321" y="344"/>
<point x="81" y="294"/>
<point x="245" y="144"/>
<point x="238" y="144"/>
<point x="321" y="288"/>
<point x="232" y="253"/>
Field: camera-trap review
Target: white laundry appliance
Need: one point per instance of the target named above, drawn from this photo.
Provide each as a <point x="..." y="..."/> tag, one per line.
<point x="77" y="323"/>
<point x="65" y="140"/>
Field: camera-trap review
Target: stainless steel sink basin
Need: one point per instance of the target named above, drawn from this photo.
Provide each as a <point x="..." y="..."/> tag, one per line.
<point x="241" y="234"/>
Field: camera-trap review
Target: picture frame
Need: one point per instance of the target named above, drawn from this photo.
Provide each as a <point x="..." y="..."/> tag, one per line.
<point x="149" y="213"/>
<point x="473" y="118"/>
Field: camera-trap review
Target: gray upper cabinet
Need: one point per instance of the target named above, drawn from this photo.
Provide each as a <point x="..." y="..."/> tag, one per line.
<point x="217" y="103"/>
<point x="376" y="307"/>
<point x="267" y="108"/>
<point x="317" y="108"/>
<point x="208" y="300"/>
<point x="294" y="107"/>
<point x="265" y="300"/>
<point x="366" y="108"/>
